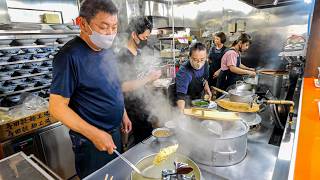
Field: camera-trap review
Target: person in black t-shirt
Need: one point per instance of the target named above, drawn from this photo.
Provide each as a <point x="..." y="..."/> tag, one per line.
<point x="139" y="30"/>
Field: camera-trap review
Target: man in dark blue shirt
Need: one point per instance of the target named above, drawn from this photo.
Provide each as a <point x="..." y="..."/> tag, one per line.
<point x="86" y="93"/>
<point x="191" y="80"/>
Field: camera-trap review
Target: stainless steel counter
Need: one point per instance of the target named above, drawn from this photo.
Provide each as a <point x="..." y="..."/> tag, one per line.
<point x="263" y="161"/>
<point x="286" y="157"/>
<point x="258" y="164"/>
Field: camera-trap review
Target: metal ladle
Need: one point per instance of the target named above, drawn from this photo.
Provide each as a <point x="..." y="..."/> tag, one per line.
<point x="132" y="165"/>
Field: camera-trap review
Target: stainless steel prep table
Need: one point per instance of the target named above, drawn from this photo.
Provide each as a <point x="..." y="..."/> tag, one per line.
<point x="258" y="164"/>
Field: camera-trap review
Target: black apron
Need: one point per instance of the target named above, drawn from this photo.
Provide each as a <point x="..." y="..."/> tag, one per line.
<point x="215" y="56"/>
<point x="135" y="105"/>
<point x="227" y="78"/>
<point x="196" y="86"/>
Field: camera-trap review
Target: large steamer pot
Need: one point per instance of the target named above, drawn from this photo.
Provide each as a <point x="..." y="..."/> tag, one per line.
<point x="145" y="165"/>
<point x="205" y="147"/>
<point x="273" y="80"/>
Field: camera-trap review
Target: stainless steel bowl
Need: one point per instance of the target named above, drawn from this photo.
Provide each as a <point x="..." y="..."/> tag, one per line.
<point x="5" y="42"/>
<point x="162" y="134"/>
<point x="64" y="40"/>
<point x="59" y="26"/>
<point x="24" y="42"/>
<point x="46" y="41"/>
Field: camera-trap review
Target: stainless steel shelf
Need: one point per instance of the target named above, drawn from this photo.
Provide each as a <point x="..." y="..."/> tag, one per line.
<point x="25" y="76"/>
<point x="25" y="90"/>
<point x="170" y="28"/>
<point x="31" y="46"/>
<point x="26" y="61"/>
<point x="171" y="38"/>
<point x="39" y="32"/>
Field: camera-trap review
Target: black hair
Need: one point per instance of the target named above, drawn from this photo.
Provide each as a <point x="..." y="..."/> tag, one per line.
<point x="244" y="38"/>
<point x="139" y="25"/>
<point x="222" y="37"/>
<point x="90" y="8"/>
<point x="197" y="47"/>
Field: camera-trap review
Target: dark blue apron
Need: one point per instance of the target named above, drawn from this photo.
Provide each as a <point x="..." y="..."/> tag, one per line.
<point x="196" y="86"/>
<point x="215" y="56"/>
<point x="227" y="78"/>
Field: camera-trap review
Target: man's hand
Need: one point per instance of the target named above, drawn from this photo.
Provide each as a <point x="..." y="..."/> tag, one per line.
<point x="60" y="110"/>
<point x="103" y="141"/>
<point x="154" y="75"/>
<point x="126" y="125"/>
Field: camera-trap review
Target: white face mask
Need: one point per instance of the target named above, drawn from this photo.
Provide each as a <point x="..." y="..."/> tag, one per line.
<point x="196" y="65"/>
<point x="100" y="40"/>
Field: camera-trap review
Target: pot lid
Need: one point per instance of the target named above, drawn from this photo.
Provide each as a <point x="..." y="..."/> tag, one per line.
<point x="216" y="129"/>
<point x="240" y="92"/>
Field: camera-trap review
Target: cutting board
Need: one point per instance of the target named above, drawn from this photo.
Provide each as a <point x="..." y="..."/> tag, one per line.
<point x="237" y="107"/>
<point x="211" y="114"/>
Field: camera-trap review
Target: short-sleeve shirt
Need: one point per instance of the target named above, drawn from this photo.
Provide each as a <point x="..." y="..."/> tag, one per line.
<point x="90" y="80"/>
<point x="184" y="76"/>
<point x="229" y="59"/>
<point x="127" y="68"/>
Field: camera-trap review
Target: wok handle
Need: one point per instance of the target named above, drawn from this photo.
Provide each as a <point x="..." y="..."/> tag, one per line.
<point x="284" y="102"/>
<point x="219" y="90"/>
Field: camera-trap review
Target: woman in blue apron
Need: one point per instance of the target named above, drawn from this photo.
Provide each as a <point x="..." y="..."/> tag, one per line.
<point x="197" y="84"/>
<point x="215" y="56"/>
<point x="231" y="67"/>
<point x="191" y="80"/>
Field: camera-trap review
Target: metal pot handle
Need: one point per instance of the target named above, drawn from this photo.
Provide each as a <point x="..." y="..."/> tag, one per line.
<point x="229" y="154"/>
<point x="226" y="152"/>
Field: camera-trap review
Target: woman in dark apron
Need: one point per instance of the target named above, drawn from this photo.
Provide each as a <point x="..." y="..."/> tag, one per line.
<point x="215" y="56"/>
<point x="226" y="78"/>
<point x="231" y="67"/>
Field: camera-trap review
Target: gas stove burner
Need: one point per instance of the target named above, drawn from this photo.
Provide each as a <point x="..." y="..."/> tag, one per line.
<point x="172" y="175"/>
<point x="180" y="172"/>
<point x="254" y="128"/>
<point x="263" y="92"/>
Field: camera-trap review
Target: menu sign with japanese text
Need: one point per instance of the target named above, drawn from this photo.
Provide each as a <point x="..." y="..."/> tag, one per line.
<point x="24" y="125"/>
